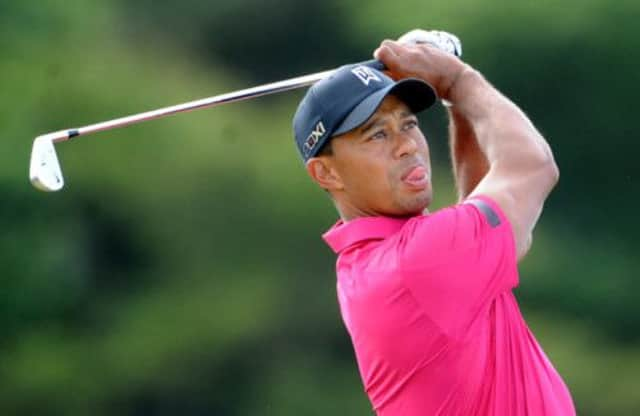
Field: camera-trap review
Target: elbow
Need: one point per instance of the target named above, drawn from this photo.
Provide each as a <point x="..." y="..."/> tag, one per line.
<point x="548" y="168"/>
<point x="553" y="173"/>
<point x="544" y="173"/>
<point x="547" y="175"/>
<point x="546" y="164"/>
<point x="523" y="248"/>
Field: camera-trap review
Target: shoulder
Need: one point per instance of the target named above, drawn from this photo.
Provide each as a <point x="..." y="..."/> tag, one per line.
<point x="452" y="230"/>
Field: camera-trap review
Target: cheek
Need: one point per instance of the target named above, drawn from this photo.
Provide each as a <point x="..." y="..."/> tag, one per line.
<point x="424" y="151"/>
<point x="424" y="144"/>
<point x="368" y="177"/>
<point x="373" y="177"/>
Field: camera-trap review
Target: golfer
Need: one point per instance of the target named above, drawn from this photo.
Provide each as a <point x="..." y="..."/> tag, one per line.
<point x="427" y="297"/>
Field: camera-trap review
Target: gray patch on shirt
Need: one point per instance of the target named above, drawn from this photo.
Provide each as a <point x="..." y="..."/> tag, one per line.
<point x="489" y="213"/>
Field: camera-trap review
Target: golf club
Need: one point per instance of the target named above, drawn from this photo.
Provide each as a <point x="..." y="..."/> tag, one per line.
<point x="45" y="172"/>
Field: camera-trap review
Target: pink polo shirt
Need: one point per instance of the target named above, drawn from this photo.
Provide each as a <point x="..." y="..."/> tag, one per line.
<point x="435" y="326"/>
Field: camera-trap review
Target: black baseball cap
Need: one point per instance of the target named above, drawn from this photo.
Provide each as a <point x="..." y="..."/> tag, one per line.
<point x="346" y="99"/>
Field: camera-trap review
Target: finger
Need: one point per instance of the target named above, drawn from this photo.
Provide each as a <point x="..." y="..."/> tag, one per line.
<point x="393" y="45"/>
<point x="388" y="52"/>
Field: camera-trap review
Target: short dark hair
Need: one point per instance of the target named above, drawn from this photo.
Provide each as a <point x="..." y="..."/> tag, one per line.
<point x="326" y="149"/>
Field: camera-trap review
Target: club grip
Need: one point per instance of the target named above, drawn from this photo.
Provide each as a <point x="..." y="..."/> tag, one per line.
<point x="375" y="64"/>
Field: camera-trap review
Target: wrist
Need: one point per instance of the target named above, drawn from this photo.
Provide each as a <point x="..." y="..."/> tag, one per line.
<point x="458" y="88"/>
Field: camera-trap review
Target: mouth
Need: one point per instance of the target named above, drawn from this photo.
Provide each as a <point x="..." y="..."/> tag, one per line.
<point x="416" y="177"/>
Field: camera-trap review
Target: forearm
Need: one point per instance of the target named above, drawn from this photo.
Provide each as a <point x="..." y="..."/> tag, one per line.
<point x="504" y="135"/>
<point x="519" y="170"/>
<point x="470" y="165"/>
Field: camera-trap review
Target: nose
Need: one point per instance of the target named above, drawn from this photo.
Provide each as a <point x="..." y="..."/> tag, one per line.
<point x="406" y="145"/>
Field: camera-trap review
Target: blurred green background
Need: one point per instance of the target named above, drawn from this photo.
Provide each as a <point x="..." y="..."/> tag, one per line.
<point x="181" y="270"/>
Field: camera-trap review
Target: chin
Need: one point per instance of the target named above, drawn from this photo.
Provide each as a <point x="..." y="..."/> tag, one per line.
<point x="416" y="206"/>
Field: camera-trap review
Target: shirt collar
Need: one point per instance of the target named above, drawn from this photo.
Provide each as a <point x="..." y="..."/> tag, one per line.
<point x="345" y="234"/>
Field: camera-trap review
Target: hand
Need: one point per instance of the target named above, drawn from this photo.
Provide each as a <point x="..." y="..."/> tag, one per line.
<point x="422" y="60"/>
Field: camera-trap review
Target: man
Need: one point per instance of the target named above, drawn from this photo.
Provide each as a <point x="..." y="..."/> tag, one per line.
<point x="427" y="297"/>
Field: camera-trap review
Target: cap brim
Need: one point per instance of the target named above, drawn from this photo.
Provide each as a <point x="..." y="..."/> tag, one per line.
<point x="417" y="94"/>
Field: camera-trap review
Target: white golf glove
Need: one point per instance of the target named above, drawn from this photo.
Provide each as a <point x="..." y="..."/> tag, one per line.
<point x="442" y="40"/>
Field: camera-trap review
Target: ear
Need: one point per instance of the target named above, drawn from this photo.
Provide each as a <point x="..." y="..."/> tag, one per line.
<point x="324" y="174"/>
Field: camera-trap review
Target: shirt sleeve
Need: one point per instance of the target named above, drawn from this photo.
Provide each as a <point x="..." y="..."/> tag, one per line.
<point x="457" y="260"/>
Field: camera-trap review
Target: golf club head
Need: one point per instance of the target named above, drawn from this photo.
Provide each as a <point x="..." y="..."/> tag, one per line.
<point x="44" y="170"/>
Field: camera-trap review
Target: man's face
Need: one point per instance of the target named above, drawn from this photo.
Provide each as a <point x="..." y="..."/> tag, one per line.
<point x="380" y="168"/>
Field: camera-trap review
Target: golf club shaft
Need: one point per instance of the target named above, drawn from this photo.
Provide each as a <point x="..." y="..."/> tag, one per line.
<point x="240" y="95"/>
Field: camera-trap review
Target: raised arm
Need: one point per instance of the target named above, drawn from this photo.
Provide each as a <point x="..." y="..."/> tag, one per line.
<point x="470" y="164"/>
<point x="521" y="169"/>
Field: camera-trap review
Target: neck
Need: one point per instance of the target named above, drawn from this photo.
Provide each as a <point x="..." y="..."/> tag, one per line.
<point x="349" y="212"/>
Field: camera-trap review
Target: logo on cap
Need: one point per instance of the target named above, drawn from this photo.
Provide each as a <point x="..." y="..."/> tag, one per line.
<point x="315" y="135"/>
<point x="365" y="74"/>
